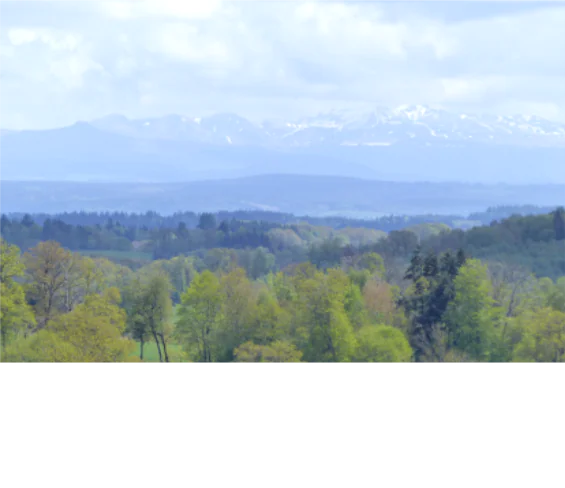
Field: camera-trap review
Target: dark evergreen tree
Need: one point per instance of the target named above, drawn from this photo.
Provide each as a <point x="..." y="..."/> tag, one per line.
<point x="27" y="221"/>
<point x="5" y="223"/>
<point x="182" y="230"/>
<point x="416" y="268"/>
<point x="430" y="267"/>
<point x="207" y="221"/>
<point x="224" y="227"/>
<point x="433" y="289"/>
<point x="559" y="223"/>
<point x="460" y="258"/>
<point x="448" y="264"/>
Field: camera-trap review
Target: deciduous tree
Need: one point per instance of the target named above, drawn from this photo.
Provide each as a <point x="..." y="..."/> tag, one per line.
<point x="470" y="316"/>
<point x="543" y="336"/>
<point x="276" y="352"/>
<point x="47" y="267"/>
<point x="150" y="311"/>
<point x="382" y="343"/>
<point x="199" y="318"/>
<point x="16" y="317"/>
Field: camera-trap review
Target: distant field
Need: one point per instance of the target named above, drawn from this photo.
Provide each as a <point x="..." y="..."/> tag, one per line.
<point x="136" y="255"/>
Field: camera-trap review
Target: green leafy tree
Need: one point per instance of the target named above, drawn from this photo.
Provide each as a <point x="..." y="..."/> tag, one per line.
<point x="270" y="321"/>
<point x="553" y="294"/>
<point x="91" y="332"/>
<point x="542" y="336"/>
<point x="150" y="311"/>
<point x="16" y="316"/>
<point x="382" y="343"/>
<point x="47" y="266"/>
<point x="355" y="307"/>
<point x="95" y="328"/>
<point x="262" y="262"/>
<point x="276" y="352"/>
<point x="238" y="308"/>
<point x="200" y="318"/>
<point x="373" y="263"/>
<point x="470" y="316"/>
<point x="321" y="314"/>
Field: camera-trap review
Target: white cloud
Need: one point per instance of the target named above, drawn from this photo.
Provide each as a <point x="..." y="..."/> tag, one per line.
<point x="186" y="43"/>
<point x="59" y="41"/>
<point x="21" y="36"/>
<point x="255" y="57"/>
<point x="187" y="9"/>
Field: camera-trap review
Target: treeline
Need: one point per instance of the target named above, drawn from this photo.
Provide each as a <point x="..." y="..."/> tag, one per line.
<point x="535" y="242"/>
<point x="60" y="306"/>
<point x="154" y="220"/>
<point x="164" y="243"/>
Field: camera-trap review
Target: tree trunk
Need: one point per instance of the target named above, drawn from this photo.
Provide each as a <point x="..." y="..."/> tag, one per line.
<point x="164" y="348"/>
<point x="158" y="346"/>
<point x="141" y="343"/>
<point x="155" y="336"/>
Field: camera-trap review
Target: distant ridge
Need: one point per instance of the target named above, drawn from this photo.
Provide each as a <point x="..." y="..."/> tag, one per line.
<point x="298" y="194"/>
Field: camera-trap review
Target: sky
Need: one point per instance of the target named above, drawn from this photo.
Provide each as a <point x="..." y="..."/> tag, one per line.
<point x="64" y="61"/>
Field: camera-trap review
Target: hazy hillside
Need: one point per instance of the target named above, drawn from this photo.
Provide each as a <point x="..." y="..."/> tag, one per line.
<point x="84" y="153"/>
<point x="303" y="195"/>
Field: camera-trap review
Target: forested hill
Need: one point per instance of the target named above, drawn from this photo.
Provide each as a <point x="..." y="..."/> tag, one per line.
<point x="533" y="241"/>
<point x="263" y="292"/>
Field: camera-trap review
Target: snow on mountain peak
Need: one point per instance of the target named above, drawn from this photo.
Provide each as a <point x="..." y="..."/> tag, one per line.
<point x="413" y="112"/>
<point x="414" y="124"/>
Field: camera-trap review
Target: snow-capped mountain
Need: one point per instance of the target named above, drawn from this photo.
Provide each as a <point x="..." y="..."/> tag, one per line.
<point x="409" y="143"/>
<point x="405" y="124"/>
<point x="425" y="125"/>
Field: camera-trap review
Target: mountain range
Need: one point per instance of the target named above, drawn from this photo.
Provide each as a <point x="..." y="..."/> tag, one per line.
<point x="414" y="143"/>
<point x="382" y="127"/>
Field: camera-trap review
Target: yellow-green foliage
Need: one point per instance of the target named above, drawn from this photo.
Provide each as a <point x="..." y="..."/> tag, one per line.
<point x="276" y="352"/>
<point x="92" y="332"/>
<point x="58" y="306"/>
<point x="471" y="316"/>
<point x="284" y="238"/>
<point x="542" y="336"/>
<point x="16" y="316"/>
<point x="423" y="231"/>
<point x="358" y="236"/>
<point x="382" y="344"/>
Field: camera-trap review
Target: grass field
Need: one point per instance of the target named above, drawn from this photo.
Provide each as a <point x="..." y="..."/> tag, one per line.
<point x="136" y="255"/>
<point x="150" y="354"/>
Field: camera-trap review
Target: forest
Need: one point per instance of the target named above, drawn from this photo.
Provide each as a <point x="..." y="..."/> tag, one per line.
<point x="239" y="287"/>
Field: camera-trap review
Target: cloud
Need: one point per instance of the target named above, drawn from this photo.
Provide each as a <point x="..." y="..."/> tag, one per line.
<point x="266" y="59"/>
<point x="188" y="9"/>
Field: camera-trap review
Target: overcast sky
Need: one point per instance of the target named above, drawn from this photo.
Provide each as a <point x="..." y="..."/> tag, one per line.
<point x="63" y="61"/>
